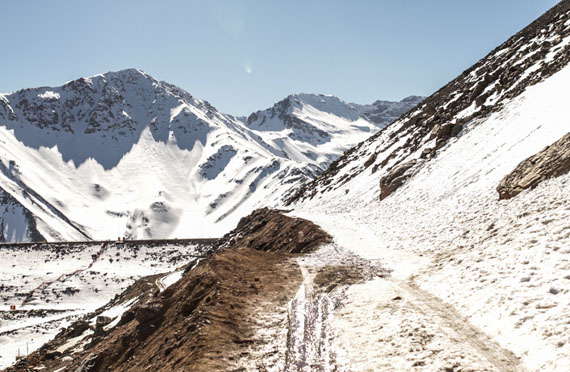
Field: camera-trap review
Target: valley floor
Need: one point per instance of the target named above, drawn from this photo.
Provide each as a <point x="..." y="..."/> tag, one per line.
<point x="53" y="284"/>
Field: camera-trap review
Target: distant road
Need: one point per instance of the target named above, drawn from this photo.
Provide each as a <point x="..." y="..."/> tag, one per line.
<point x="202" y="241"/>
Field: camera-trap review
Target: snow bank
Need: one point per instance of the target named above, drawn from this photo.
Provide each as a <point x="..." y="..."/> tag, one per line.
<point x="503" y="265"/>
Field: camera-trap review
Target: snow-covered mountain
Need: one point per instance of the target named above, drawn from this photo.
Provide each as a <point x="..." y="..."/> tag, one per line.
<point x="124" y="154"/>
<point x="444" y="245"/>
<point x="313" y="128"/>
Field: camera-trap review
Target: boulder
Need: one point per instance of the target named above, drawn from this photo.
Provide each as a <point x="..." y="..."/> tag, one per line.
<point x="52" y="355"/>
<point x="77" y="328"/>
<point x="552" y="161"/>
<point x="445" y="131"/>
<point x="100" y="324"/>
<point x="395" y="178"/>
<point x="102" y="321"/>
<point x="148" y="312"/>
<point x="127" y="316"/>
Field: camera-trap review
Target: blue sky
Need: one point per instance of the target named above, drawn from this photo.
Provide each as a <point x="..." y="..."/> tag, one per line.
<point x="244" y="55"/>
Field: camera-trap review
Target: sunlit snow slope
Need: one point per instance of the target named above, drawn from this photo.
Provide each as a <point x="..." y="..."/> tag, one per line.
<point x="122" y="154"/>
<point x="501" y="265"/>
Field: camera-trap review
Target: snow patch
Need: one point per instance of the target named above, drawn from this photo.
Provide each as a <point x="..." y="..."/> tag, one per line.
<point x="48" y="94"/>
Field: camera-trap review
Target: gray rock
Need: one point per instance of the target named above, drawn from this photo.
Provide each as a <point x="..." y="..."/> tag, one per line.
<point x="395" y="178"/>
<point x="552" y="161"/>
<point x="148" y="312"/>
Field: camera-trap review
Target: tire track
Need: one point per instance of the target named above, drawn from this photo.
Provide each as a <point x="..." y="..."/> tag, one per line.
<point x="431" y="306"/>
<point x="327" y="273"/>
<point x="416" y="327"/>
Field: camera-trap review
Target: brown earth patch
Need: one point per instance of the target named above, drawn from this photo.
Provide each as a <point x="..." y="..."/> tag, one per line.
<point x="269" y="230"/>
<point x="330" y="277"/>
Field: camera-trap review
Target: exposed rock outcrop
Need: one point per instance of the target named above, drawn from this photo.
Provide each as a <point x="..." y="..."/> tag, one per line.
<point x="395" y="178"/>
<point x="11" y="211"/>
<point x="269" y="230"/>
<point x="552" y="161"/>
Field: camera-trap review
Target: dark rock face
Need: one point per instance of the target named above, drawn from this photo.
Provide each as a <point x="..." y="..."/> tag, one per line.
<point x="9" y="205"/>
<point x="148" y="312"/>
<point x="395" y="178"/>
<point x="149" y="317"/>
<point x="553" y="161"/>
<point x="77" y="328"/>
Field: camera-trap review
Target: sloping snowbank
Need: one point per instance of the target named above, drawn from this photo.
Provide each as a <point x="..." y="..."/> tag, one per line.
<point x="505" y="265"/>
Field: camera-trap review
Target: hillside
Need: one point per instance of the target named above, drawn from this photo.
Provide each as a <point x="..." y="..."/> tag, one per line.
<point x="54" y="284"/>
<point x="122" y="154"/>
<point x="207" y="319"/>
<point x="439" y="243"/>
<point x="466" y="200"/>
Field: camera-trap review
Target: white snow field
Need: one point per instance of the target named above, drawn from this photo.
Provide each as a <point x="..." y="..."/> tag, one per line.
<point x="53" y="285"/>
<point x="476" y="284"/>
<point x="122" y="154"/>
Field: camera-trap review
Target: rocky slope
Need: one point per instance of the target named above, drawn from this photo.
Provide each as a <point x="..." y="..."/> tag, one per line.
<point x="17" y="223"/>
<point x="53" y="284"/>
<point x="529" y="57"/>
<point x="122" y="154"/>
<point x="218" y="316"/>
<point x="437" y="274"/>
<point x="420" y="197"/>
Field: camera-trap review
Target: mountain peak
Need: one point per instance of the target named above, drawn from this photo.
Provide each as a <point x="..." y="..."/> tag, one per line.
<point x="415" y="99"/>
<point x="127" y="72"/>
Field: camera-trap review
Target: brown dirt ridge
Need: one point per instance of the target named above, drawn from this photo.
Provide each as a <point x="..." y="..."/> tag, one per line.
<point x="207" y="321"/>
